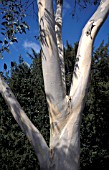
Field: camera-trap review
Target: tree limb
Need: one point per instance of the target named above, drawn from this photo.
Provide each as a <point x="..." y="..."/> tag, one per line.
<point x="58" y="30"/>
<point x="32" y="133"/>
<point x="54" y="89"/>
<point x="81" y="73"/>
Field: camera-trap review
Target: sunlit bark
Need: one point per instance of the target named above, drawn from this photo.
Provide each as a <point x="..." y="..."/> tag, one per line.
<point x="65" y="112"/>
<point x="84" y="54"/>
<point x="58" y="30"/>
<point x="53" y="82"/>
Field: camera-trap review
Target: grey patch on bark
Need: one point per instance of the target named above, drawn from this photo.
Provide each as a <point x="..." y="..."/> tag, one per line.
<point x="76" y="68"/>
<point x="90" y="28"/>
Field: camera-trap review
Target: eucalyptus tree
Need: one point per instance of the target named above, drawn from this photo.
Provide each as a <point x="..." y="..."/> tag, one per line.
<point x="65" y="110"/>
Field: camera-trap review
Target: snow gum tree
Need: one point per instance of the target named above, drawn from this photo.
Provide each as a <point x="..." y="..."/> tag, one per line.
<point x="65" y="111"/>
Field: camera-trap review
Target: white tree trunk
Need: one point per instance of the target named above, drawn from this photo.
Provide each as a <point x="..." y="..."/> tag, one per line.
<point x="65" y="143"/>
<point x="65" y="111"/>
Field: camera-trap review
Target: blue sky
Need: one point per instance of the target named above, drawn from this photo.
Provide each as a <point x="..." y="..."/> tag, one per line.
<point x="72" y="28"/>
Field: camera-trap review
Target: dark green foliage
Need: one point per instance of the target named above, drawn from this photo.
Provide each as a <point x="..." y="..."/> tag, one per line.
<point x="29" y="90"/>
<point x="70" y="56"/>
<point x="27" y="85"/>
<point x="95" y="122"/>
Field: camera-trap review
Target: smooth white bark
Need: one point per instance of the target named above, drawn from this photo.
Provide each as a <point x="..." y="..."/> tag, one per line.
<point x="58" y="30"/>
<point x="53" y="82"/>
<point x="50" y="58"/>
<point x="66" y="143"/>
<point x="65" y="116"/>
<point x="83" y="59"/>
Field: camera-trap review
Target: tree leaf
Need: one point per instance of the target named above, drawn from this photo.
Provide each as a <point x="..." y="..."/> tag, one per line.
<point x="6" y="42"/>
<point x="4" y="23"/>
<point x="5" y="66"/>
<point x="6" y="49"/>
<point x="14" y="40"/>
<point x="2" y="33"/>
<point x="25" y="25"/>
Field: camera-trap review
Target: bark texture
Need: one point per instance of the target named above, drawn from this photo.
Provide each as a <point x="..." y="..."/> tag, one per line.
<point x="55" y="92"/>
<point x="64" y="111"/>
<point x="58" y="30"/>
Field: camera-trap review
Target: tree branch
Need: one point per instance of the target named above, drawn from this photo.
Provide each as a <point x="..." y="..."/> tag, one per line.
<point x="32" y="133"/>
<point x="54" y="89"/>
<point x="58" y="30"/>
<point x="83" y="59"/>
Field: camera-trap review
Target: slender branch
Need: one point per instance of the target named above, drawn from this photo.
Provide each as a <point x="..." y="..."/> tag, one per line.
<point x="83" y="59"/>
<point x="58" y="30"/>
<point x="32" y="133"/>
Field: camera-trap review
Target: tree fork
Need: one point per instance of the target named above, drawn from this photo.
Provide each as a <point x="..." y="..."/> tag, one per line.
<point x="65" y="151"/>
